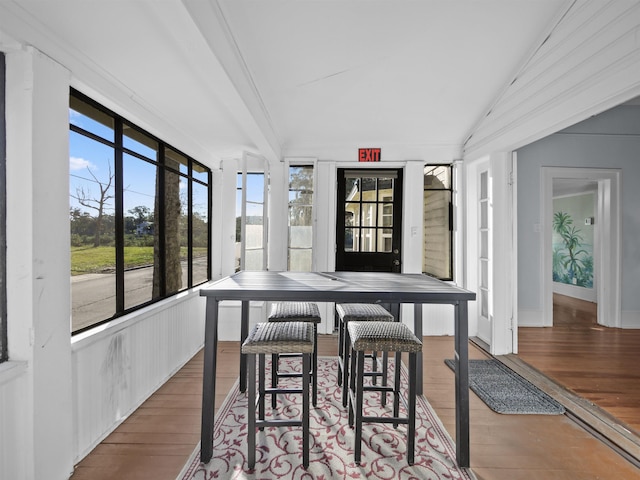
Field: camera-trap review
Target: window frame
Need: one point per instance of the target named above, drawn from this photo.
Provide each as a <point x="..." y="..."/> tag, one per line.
<point x="289" y="166"/>
<point x="162" y="169"/>
<point x="4" y="349"/>
<point x="250" y="165"/>
<point x="451" y="190"/>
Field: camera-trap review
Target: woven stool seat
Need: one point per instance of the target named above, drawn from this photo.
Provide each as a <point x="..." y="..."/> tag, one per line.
<point x="280" y="337"/>
<point x="295" y="312"/>
<point x="270" y="338"/>
<point x="383" y="337"/>
<point x="363" y="312"/>
<point x="360" y="312"/>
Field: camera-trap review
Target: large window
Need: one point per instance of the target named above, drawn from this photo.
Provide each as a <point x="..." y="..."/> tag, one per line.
<point x="3" y="217"/>
<point x="251" y="232"/>
<point x="437" y="259"/>
<point x="139" y="212"/>
<point x="300" y="218"/>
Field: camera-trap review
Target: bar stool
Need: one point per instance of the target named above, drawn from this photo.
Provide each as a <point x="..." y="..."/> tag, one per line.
<point x="295" y="312"/>
<point x="382" y="337"/>
<point x="276" y="338"/>
<point x="358" y="312"/>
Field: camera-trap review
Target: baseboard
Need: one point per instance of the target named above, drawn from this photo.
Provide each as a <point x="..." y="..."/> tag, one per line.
<point x="586" y="294"/>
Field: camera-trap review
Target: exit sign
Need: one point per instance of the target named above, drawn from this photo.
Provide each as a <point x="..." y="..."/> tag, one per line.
<point x="368" y="154"/>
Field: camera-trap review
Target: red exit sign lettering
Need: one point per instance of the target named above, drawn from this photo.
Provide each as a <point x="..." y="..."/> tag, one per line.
<point x="368" y="154"/>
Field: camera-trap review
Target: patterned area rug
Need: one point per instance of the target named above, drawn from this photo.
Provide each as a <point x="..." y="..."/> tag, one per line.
<point x="504" y="391"/>
<point x="278" y="449"/>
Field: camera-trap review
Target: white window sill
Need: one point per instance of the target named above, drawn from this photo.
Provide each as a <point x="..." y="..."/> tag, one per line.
<point x="82" y="340"/>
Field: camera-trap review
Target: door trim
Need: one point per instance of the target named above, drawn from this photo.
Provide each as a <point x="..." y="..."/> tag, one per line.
<point x="608" y="285"/>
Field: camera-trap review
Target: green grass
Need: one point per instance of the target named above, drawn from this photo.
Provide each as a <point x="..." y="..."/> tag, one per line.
<point x="103" y="259"/>
<point x="93" y="260"/>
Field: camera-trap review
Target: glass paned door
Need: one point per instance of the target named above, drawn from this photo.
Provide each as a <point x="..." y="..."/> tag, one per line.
<point x="369" y="219"/>
<point x="485" y="232"/>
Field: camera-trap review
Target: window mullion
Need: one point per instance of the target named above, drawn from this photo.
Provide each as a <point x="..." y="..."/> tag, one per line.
<point x="243" y="216"/>
<point x="119" y="217"/>
<point x="265" y="218"/>
<point x="190" y="228"/>
<point x="4" y="351"/>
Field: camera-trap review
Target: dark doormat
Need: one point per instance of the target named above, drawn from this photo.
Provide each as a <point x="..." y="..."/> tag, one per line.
<point x="504" y="391"/>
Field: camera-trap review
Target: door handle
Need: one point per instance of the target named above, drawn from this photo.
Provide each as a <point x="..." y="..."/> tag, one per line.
<point x="396" y="262"/>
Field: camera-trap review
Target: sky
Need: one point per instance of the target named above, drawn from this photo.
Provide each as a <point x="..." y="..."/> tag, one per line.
<point x="91" y="162"/>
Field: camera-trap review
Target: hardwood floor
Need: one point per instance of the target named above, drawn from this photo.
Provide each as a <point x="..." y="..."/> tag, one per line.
<point x="157" y="439"/>
<point x="597" y="363"/>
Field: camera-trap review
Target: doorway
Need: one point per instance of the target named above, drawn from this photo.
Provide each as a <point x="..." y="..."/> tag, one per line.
<point x="369" y="220"/>
<point x="574" y="248"/>
<point x="606" y="246"/>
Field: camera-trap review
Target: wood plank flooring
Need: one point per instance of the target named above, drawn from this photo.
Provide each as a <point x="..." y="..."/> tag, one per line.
<point x="157" y="439"/>
<point x="598" y="363"/>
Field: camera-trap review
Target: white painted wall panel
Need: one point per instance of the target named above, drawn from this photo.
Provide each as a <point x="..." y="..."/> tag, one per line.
<point x="14" y="439"/>
<point x="436" y="319"/>
<point x="116" y="370"/>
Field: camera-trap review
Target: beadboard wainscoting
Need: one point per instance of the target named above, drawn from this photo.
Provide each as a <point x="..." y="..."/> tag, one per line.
<point x="117" y="367"/>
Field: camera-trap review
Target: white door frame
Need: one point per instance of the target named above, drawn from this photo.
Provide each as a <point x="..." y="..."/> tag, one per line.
<point x="479" y="326"/>
<point x="608" y="270"/>
<point x="497" y="329"/>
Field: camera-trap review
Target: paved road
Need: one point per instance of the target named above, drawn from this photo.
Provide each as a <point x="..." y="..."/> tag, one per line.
<point x="93" y="296"/>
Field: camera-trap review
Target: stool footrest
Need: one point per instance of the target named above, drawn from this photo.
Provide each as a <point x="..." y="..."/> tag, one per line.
<point x="377" y="388"/>
<point x="394" y="420"/>
<point x="289" y="375"/>
<point x="271" y="391"/>
<point x="278" y="423"/>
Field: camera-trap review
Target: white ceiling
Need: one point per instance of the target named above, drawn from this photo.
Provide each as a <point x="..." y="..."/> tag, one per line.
<point x="291" y="77"/>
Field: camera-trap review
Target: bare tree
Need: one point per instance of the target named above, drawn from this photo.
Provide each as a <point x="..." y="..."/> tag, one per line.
<point x="99" y="204"/>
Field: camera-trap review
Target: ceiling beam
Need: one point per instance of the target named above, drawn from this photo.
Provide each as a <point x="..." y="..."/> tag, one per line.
<point x="239" y="92"/>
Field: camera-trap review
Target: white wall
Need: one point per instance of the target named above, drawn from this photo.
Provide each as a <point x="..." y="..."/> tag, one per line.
<point x="58" y="400"/>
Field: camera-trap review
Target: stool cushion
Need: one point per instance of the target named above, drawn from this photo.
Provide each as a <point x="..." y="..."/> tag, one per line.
<point x="363" y="312"/>
<point x="280" y="337"/>
<point x="295" y="312"/>
<point x="383" y="337"/>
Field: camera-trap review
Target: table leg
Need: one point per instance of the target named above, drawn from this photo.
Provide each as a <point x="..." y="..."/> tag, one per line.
<point x="417" y="331"/>
<point x="209" y="379"/>
<point x="244" y="333"/>
<point x="462" y="384"/>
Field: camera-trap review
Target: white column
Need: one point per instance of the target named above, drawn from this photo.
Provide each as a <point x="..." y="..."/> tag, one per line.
<point x="502" y="254"/>
<point x="278" y="216"/>
<point x="38" y="259"/>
